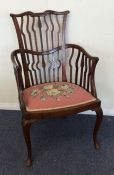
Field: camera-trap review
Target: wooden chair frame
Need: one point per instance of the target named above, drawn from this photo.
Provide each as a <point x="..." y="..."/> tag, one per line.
<point x="86" y="79"/>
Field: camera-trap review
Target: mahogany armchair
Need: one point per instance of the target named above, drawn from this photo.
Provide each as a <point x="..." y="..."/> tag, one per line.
<point x="54" y="79"/>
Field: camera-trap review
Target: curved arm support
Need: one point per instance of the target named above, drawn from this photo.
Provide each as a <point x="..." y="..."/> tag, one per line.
<point x="81" y="67"/>
<point x="19" y="80"/>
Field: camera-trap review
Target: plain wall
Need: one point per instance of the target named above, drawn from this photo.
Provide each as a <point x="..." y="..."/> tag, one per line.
<point x="90" y="24"/>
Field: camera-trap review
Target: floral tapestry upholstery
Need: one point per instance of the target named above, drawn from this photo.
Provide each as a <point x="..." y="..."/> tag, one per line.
<point x="55" y="95"/>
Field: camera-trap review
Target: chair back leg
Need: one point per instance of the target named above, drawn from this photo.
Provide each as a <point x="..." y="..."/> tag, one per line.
<point x="99" y="118"/>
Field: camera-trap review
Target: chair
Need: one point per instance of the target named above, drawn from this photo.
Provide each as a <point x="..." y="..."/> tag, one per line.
<point x="54" y="79"/>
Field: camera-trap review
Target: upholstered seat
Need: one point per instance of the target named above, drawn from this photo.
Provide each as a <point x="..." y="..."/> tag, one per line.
<point x="56" y="95"/>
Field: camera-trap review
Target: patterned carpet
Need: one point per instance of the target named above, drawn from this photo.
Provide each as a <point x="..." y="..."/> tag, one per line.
<point x="60" y="146"/>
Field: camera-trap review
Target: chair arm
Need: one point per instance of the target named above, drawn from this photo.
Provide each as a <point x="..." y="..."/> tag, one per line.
<point x="17" y="71"/>
<point x="81" y="67"/>
<point x="19" y="78"/>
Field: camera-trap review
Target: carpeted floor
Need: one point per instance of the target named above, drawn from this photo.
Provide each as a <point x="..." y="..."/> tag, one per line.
<point x="60" y="146"/>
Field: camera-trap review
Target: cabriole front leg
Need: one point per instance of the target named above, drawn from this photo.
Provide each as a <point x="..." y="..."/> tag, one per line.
<point x="99" y="118"/>
<point x="26" y="131"/>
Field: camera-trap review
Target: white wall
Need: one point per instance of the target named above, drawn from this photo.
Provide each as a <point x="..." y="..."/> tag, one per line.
<point x="90" y="24"/>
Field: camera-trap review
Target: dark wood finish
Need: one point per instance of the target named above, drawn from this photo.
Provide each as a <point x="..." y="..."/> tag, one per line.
<point x="42" y="57"/>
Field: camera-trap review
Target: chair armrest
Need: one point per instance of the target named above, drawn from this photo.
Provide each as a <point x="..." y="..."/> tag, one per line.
<point x="81" y="67"/>
<point x="18" y="76"/>
<point x="17" y="71"/>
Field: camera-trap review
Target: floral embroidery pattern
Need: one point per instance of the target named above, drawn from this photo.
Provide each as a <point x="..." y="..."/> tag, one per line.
<point x="53" y="90"/>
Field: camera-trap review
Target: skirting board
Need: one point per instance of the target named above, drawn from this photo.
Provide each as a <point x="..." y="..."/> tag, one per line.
<point x="9" y="106"/>
<point x="15" y="106"/>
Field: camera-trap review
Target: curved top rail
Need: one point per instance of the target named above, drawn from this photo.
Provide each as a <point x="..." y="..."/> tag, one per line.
<point x="40" y="14"/>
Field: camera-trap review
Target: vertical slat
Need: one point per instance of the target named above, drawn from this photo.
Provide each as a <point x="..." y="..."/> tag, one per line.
<point x="29" y="33"/>
<point x="88" y="77"/>
<point x="82" y="67"/>
<point x="53" y="69"/>
<point x="58" y="36"/>
<point x="40" y="32"/>
<point x="44" y="66"/>
<point x="27" y="81"/>
<point x="64" y="78"/>
<point x="36" y="45"/>
<point x="76" y="65"/>
<point x="20" y="72"/>
<point x="18" y="31"/>
<point x="47" y="28"/>
<point x="70" y="59"/>
<point x="37" y="63"/>
<point x="58" y="68"/>
<point x="34" y="32"/>
<point x="32" y="66"/>
<point x="25" y="46"/>
<point x="47" y="40"/>
<point x="52" y="40"/>
<point x="30" y="72"/>
<point x="18" y="62"/>
<point x="93" y="88"/>
<point x="23" y="34"/>
<point x="85" y="73"/>
<point x="58" y="33"/>
<point x="41" y="40"/>
<point x="31" y="47"/>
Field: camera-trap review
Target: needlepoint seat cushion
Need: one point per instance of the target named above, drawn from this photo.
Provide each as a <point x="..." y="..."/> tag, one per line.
<point x="55" y="95"/>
